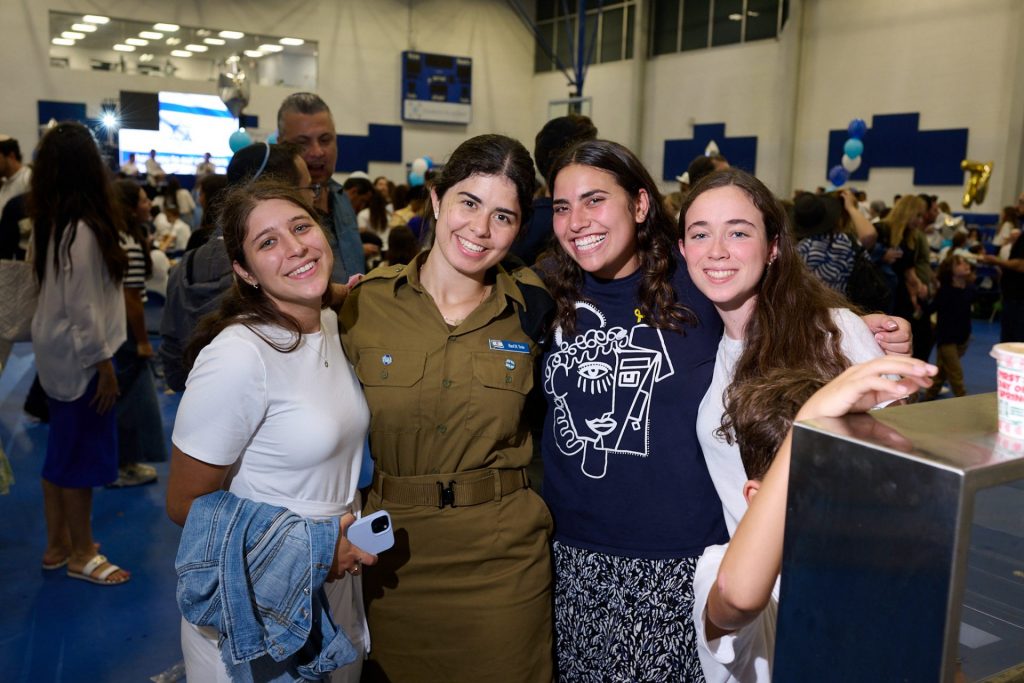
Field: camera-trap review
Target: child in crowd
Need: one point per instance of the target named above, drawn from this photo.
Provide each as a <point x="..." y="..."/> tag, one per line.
<point x="952" y="305"/>
<point x="175" y="238"/>
<point x="736" y="589"/>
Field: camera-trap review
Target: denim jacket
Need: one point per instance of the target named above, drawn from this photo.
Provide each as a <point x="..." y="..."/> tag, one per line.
<point x="255" y="572"/>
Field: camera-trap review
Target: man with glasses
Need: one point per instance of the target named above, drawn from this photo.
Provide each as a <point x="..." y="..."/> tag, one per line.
<point x="304" y="119"/>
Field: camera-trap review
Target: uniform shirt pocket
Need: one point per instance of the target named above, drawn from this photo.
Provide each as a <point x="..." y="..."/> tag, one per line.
<point x="498" y="393"/>
<point x="392" y="382"/>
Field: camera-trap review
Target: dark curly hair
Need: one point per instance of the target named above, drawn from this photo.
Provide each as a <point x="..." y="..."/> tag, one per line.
<point x="656" y="237"/>
<point x="791" y="328"/>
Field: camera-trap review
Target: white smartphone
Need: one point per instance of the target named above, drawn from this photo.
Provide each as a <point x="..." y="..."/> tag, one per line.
<point x="372" y="533"/>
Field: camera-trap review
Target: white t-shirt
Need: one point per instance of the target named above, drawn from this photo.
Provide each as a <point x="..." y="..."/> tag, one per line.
<point x="723" y="460"/>
<point x="292" y="429"/>
<point x="743" y="656"/>
<point x="719" y="658"/>
<point x="294" y="432"/>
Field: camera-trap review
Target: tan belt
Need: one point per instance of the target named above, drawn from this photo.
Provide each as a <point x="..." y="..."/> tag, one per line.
<point x="457" y="490"/>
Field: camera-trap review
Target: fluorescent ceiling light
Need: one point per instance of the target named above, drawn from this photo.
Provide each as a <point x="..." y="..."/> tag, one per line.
<point x="196" y="48"/>
<point x="95" y="19"/>
<point x="73" y="35"/>
<point x="173" y="41"/>
<point x="735" y="17"/>
<point x="181" y="53"/>
<point x="291" y="41"/>
<point x="124" y="48"/>
<point x="137" y="41"/>
<point x="146" y="57"/>
<point x="270" y="48"/>
<point x="84" y="28"/>
<point x="62" y="41"/>
<point x="170" y="28"/>
<point x="150" y="35"/>
<point x="203" y="32"/>
<point x="231" y="35"/>
<point x="233" y="59"/>
<point x="213" y="41"/>
<point x="253" y="53"/>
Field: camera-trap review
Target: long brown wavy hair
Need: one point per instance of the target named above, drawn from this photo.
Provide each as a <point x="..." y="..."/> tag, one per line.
<point x="243" y="304"/>
<point x="656" y="238"/>
<point x="70" y="185"/>
<point x="791" y="327"/>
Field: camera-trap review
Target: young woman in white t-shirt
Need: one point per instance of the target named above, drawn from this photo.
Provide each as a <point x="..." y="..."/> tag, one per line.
<point x="779" y="319"/>
<point x="272" y="410"/>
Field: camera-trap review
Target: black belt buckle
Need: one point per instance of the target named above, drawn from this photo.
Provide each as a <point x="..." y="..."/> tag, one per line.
<point x="446" y="495"/>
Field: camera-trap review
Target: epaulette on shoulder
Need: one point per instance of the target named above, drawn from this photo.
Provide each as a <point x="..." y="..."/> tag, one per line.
<point x="382" y="273"/>
<point x="527" y="276"/>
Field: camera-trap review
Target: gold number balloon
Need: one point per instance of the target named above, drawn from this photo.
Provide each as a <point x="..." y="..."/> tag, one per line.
<point x="976" y="185"/>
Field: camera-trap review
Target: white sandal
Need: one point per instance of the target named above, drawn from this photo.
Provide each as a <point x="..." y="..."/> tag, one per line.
<point x="90" y="574"/>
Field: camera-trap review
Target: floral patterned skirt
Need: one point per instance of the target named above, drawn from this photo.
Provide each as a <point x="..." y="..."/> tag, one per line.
<point x="624" y="619"/>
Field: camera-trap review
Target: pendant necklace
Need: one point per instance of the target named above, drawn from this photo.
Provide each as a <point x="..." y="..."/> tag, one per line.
<point x="323" y="346"/>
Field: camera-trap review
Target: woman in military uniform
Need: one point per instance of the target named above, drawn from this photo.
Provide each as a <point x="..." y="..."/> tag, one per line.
<point x="440" y="348"/>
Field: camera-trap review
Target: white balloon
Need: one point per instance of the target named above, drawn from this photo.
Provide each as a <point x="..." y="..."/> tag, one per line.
<point x="419" y="166"/>
<point x="851" y="165"/>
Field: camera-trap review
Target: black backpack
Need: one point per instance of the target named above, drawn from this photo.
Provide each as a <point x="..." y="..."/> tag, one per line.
<point x="867" y="287"/>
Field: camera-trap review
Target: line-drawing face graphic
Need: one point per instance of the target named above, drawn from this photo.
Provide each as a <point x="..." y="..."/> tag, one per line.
<point x="608" y="377"/>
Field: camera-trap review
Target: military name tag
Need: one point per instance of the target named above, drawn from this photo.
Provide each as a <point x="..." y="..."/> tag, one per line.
<point x="510" y="346"/>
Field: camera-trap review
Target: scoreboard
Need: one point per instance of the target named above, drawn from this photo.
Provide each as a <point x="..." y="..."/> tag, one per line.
<point x="436" y="88"/>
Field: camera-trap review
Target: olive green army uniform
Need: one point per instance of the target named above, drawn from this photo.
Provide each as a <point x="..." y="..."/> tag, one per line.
<point x="465" y="593"/>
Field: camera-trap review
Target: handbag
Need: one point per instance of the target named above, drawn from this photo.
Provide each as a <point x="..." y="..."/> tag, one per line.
<point x="19" y="293"/>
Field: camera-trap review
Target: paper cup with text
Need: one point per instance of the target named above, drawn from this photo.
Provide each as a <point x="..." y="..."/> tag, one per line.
<point x="1010" y="387"/>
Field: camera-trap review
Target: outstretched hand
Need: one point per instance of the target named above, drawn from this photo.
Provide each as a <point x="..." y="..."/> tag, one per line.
<point x="863" y="386"/>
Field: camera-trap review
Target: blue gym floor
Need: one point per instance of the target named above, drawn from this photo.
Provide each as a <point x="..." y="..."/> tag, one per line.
<point x="55" y="629"/>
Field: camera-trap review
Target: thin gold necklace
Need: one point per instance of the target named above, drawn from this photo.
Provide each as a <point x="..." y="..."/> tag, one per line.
<point x="455" y="322"/>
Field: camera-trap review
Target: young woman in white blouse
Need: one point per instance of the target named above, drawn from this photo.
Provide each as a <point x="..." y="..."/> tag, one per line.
<point x="272" y="410"/>
<point x="78" y="325"/>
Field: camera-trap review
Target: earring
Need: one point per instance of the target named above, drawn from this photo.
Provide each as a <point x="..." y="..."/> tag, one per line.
<point x="255" y="285"/>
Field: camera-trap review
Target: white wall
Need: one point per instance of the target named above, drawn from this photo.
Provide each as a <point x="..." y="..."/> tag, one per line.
<point x="359" y="62"/>
<point x="957" y="63"/>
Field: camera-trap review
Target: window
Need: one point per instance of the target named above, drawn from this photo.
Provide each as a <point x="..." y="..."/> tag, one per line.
<point x="680" y="25"/>
<point x="608" y="28"/>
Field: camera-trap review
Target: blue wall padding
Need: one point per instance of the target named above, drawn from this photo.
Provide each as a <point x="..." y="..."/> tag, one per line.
<point x="382" y="143"/>
<point x="896" y="141"/>
<point x="61" y="111"/>
<point x="741" y="152"/>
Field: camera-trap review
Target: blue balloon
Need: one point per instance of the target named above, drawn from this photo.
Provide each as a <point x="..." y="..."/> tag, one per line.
<point x="857" y="129"/>
<point x="272" y="138"/>
<point x="430" y="162"/>
<point x="239" y="140"/>
<point x="415" y="179"/>
<point x="853" y="148"/>
<point x="837" y="175"/>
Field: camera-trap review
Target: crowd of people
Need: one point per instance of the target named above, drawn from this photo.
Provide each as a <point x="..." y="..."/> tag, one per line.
<point x="346" y="348"/>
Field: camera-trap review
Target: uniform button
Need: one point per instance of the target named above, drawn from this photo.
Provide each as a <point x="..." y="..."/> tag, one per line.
<point x="306" y="590"/>
<point x="508" y="379"/>
<point x="441" y="429"/>
<point x="452" y="338"/>
<point x="446" y="384"/>
<point x="383" y="374"/>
